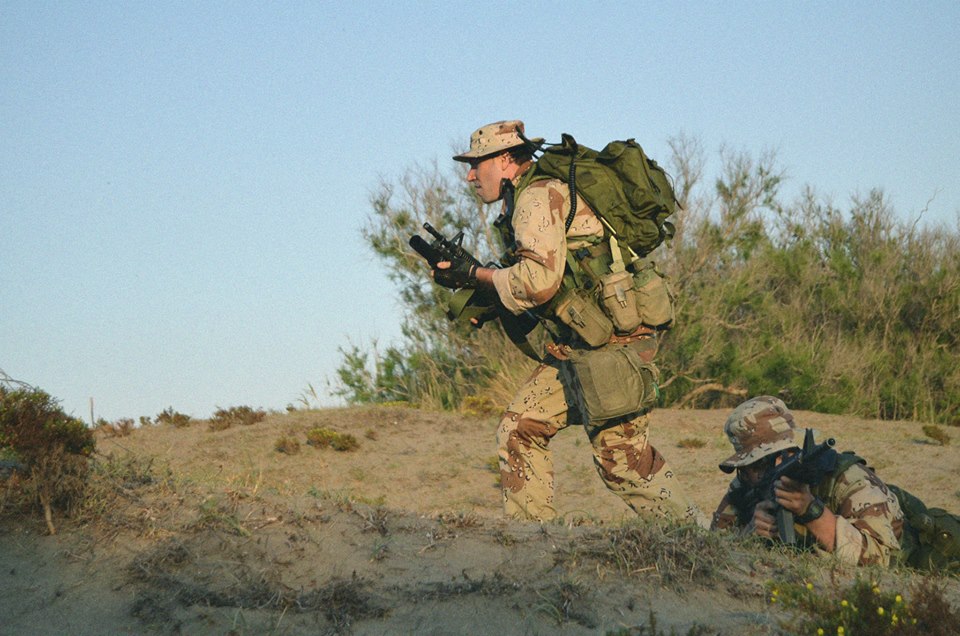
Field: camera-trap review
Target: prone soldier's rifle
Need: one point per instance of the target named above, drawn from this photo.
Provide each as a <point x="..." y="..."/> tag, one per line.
<point x="809" y="466"/>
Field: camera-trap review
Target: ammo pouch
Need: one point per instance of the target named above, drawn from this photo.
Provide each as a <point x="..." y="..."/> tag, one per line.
<point x="577" y="309"/>
<point x="654" y="298"/>
<point x="612" y="381"/>
<point x="620" y="302"/>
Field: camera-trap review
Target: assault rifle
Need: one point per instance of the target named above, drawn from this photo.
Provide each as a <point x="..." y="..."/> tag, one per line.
<point x="472" y="304"/>
<point x="809" y="466"/>
<point x="442" y="248"/>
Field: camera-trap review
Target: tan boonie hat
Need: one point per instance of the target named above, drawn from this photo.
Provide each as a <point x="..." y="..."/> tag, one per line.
<point x="759" y="427"/>
<point x="494" y="138"/>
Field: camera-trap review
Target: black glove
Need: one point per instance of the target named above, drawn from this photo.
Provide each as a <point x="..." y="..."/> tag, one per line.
<point x="460" y="274"/>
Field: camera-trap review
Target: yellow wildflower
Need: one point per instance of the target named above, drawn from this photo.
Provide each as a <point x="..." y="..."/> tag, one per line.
<point x="899" y="599"/>
<point x="809" y="586"/>
<point x="880" y="611"/>
<point x="844" y="603"/>
<point x="819" y="631"/>
<point x="840" y="631"/>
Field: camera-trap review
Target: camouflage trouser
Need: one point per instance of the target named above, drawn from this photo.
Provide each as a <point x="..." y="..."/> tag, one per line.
<point x="627" y="463"/>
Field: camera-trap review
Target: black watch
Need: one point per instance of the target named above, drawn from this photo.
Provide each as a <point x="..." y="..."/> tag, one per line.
<point x="814" y="512"/>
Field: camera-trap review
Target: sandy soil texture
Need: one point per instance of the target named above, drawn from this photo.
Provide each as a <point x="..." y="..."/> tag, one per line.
<point x="194" y="531"/>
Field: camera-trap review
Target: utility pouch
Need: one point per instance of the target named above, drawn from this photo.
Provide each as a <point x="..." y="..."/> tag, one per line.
<point x="577" y="309"/>
<point x="620" y="302"/>
<point x="612" y="381"/>
<point x="654" y="298"/>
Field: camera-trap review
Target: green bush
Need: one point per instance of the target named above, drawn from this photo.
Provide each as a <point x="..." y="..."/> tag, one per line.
<point x="52" y="446"/>
<point x="864" y="608"/>
<point x="836" y="310"/>
<point x="326" y="438"/>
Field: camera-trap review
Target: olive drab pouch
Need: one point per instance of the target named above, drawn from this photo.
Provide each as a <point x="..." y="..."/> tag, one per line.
<point x="577" y="309"/>
<point x="931" y="538"/>
<point x="654" y="298"/>
<point x="620" y="302"/>
<point x="612" y="381"/>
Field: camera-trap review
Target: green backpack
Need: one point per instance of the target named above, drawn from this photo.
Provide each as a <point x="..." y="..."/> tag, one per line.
<point x="627" y="189"/>
<point x="931" y="536"/>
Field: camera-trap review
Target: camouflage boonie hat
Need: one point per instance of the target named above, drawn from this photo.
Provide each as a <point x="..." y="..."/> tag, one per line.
<point x="759" y="427"/>
<point x="494" y="138"/>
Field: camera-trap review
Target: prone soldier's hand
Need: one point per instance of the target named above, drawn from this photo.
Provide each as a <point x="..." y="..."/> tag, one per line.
<point x="764" y="524"/>
<point x="793" y="495"/>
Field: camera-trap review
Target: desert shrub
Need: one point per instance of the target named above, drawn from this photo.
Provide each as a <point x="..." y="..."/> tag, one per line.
<point x="479" y="406"/>
<point x="321" y="437"/>
<point x="169" y="416"/>
<point x="691" y="442"/>
<point x="864" y="608"/>
<point x="145" y="421"/>
<point x="119" y="428"/>
<point x="52" y="446"/>
<point x="239" y="415"/>
<point x="287" y="445"/>
<point x="937" y="434"/>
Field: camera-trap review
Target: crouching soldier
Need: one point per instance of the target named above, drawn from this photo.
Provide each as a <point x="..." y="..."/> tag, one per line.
<point x="844" y="510"/>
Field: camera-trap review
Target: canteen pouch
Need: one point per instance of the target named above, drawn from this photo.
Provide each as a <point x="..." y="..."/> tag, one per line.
<point x="654" y="298"/>
<point x="613" y="381"/>
<point x="577" y="310"/>
<point x="620" y="302"/>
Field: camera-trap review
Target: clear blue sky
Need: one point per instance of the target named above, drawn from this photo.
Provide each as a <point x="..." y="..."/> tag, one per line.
<point x="182" y="185"/>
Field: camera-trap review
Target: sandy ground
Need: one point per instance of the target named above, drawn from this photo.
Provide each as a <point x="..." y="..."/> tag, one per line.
<point x="215" y="532"/>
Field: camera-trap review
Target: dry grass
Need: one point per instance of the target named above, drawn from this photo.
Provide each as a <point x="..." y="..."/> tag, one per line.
<point x="220" y="533"/>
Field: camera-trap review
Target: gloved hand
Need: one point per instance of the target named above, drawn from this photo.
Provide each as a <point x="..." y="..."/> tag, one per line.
<point x="456" y="275"/>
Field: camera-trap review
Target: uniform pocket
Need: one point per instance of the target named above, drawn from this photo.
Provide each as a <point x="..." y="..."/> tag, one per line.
<point x="613" y="381"/>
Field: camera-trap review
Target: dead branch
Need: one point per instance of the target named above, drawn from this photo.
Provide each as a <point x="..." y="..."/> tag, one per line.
<point x="713" y="386"/>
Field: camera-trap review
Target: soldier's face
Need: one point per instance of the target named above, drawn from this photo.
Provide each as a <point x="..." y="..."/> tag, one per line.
<point x="753" y="473"/>
<point x="485" y="175"/>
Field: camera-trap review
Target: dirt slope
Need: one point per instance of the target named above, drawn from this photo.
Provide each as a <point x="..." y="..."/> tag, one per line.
<point x="200" y="532"/>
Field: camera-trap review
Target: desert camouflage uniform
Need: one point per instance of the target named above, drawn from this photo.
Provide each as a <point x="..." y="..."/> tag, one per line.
<point x="869" y="518"/>
<point x="626" y="461"/>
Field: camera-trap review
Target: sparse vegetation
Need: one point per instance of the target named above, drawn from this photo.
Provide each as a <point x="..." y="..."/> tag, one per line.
<point x="321" y="437"/>
<point x="651" y="628"/>
<point x="864" y="608"/>
<point x="235" y="416"/>
<point x="119" y="428"/>
<point x="288" y="445"/>
<point x="691" y="442"/>
<point x="677" y="554"/>
<point x="937" y="434"/>
<point x="170" y="416"/>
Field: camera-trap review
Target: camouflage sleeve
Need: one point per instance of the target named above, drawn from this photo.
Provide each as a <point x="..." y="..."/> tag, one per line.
<point x="538" y="223"/>
<point x="869" y="519"/>
<point x="726" y="516"/>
